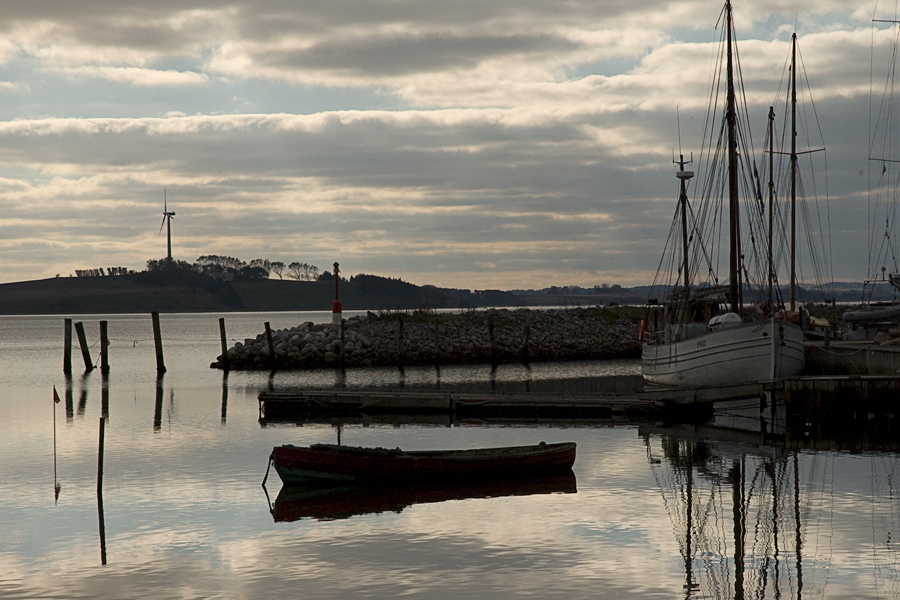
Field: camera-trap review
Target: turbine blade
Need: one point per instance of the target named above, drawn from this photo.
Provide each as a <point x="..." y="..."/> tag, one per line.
<point x="162" y="225"/>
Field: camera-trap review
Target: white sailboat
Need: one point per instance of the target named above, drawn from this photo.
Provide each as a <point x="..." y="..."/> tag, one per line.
<point x="705" y="335"/>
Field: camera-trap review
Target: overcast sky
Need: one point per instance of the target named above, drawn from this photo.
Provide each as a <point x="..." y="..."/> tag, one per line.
<point x="505" y="144"/>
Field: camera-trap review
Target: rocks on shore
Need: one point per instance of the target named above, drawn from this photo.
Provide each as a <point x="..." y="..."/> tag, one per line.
<point x="492" y="336"/>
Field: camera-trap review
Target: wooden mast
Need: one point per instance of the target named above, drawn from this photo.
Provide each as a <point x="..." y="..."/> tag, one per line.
<point x="793" y="170"/>
<point x="733" y="205"/>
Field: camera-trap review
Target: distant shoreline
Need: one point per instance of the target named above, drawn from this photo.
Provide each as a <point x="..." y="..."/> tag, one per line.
<point x="133" y="294"/>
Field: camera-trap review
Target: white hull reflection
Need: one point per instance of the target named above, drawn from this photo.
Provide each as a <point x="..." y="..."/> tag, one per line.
<point x="733" y="356"/>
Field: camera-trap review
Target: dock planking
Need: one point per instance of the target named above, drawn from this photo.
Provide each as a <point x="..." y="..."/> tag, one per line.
<point x="285" y="405"/>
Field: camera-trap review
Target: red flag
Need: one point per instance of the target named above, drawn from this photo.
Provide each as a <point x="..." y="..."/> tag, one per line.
<point x="55" y="395"/>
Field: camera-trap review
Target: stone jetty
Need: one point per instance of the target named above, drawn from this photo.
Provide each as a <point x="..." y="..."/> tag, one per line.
<point x="493" y="336"/>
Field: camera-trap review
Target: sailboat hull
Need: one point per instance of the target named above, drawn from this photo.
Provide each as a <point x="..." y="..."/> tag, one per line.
<point x="733" y="356"/>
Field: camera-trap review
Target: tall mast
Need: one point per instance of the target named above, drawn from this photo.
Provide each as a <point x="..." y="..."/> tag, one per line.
<point x="771" y="266"/>
<point x="682" y="199"/>
<point x="793" y="170"/>
<point x="733" y="206"/>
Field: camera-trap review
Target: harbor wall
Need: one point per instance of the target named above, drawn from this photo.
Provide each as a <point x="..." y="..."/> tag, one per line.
<point x="493" y="336"/>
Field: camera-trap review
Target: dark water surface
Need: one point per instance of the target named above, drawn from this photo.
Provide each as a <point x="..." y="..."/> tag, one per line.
<point x="658" y="512"/>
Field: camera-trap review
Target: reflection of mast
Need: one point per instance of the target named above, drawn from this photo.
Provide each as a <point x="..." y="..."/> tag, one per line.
<point x="737" y="496"/>
<point x="688" y="560"/>
<point x="799" y="541"/>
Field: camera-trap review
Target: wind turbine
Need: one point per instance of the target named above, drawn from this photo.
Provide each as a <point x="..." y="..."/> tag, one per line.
<point x="167" y="222"/>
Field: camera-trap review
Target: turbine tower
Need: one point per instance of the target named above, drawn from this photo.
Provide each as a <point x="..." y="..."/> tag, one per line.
<point x="167" y="222"/>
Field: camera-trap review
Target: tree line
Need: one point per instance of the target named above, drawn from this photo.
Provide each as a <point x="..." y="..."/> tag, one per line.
<point x="258" y="268"/>
<point x="109" y="272"/>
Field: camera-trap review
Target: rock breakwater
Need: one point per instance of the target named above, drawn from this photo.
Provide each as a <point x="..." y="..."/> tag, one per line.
<point x="472" y="337"/>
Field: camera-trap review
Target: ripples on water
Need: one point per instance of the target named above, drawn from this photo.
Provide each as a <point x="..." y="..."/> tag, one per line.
<point x="185" y="516"/>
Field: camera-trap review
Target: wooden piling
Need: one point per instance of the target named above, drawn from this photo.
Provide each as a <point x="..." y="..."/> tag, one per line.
<point x="157" y="340"/>
<point x="224" y="343"/>
<point x="271" y="344"/>
<point x="85" y="351"/>
<point x="67" y="348"/>
<point x="104" y="347"/>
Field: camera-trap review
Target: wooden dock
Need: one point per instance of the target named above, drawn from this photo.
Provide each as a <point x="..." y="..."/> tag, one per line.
<point x="274" y="406"/>
<point x="852" y="358"/>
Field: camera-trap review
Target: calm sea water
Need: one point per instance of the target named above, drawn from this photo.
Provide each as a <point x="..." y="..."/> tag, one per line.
<point x="658" y="513"/>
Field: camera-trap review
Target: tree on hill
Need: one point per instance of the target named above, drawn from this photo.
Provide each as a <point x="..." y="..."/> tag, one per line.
<point x="213" y="263"/>
<point x="277" y="267"/>
<point x="303" y="271"/>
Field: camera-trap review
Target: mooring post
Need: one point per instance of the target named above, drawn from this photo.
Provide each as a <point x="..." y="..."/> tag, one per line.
<point x="104" y="347"/>
<point x="400" y="349"/>
<point x="271" y="346"/>
<point x="67" y="348"/>
<point x="224" y="343"/>
<point x="85" y="351"/>
<point x="104" y="396"/>
<point x="157" y="339"/>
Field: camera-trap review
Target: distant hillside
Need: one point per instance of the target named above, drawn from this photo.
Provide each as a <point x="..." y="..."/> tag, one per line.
<point x="194" y="292"/>
<point x="146" y="292"/>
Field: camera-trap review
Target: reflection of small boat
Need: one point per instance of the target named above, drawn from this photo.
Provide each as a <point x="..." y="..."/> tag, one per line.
<point x="327" y="462"/>
<point x="297" y="502"/>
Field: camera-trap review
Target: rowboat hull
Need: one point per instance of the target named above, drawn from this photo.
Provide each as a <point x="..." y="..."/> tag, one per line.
<point x="733" y="356"/>
<point x="326" y="463"/>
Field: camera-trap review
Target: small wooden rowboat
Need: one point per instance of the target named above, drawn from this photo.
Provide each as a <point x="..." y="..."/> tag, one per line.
<point x="327" y="463"/>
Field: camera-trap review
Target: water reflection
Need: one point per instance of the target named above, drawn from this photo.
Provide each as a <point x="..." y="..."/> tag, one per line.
<point x="764" y="520"/>
<point x="70" y="403"/>
<point x="157" y="413"/>
<point x="342" y="502"/>
<point x="224" y="412"/>
<point x="82" y="400"/>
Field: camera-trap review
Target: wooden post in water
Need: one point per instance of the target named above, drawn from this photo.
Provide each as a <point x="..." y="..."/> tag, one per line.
<point x="157" y="340"/>
<point x="104" y="347"/>
<point x="67" y="348"/>
<point x="271" y="346"/>
<point x="224" y="343"/>
<point x="85" y="351"/>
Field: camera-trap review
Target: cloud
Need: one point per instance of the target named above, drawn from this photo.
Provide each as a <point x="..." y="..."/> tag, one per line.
<point x="136" y="76"/>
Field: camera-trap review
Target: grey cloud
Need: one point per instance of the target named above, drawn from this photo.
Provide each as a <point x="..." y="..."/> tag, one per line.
<point x="401" y="55"/>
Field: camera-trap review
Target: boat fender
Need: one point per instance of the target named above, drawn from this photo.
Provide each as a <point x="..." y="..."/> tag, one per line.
<point x="641" y="330"/>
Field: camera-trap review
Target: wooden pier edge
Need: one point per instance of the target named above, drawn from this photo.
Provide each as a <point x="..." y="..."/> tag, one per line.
<point x="285" y="405"/>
